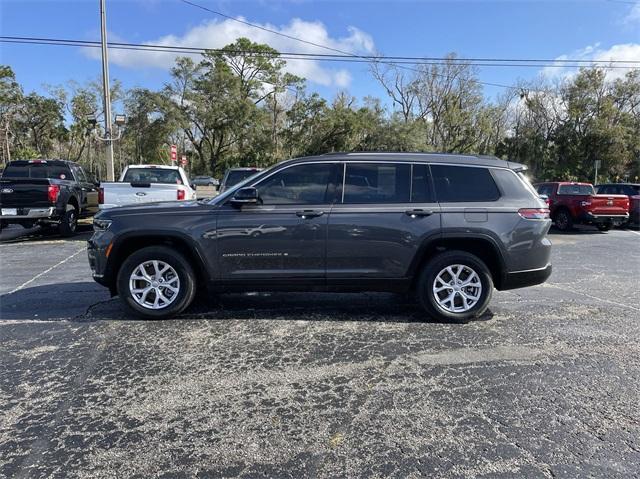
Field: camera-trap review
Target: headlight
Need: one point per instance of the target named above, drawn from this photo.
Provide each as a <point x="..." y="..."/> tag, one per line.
<point x="101" y="225"/>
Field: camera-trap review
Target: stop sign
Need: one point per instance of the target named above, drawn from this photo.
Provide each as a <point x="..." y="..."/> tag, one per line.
<point x="183" y="160"/>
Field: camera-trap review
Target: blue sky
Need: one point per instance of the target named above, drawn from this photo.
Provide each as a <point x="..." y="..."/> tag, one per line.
<point x="518" y="29"/>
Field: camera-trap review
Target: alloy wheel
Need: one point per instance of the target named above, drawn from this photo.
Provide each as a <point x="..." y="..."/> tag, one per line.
<point x="154" y="284"/>
<point x="457" y="288"/>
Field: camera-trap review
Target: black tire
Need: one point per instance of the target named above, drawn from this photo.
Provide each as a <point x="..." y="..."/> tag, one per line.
<point x="427" y="297"/>
<point x="185" y="273"/>
<point x="604" y="227"/>
<point x="69" y="222"/>
<point x="563" y="220"/>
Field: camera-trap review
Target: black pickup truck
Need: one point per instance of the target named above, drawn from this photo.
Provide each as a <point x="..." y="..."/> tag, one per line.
<point x="47" y="193"/>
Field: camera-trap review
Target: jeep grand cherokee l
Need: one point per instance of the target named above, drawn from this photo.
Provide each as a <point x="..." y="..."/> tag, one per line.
<point x="448" y="228"/>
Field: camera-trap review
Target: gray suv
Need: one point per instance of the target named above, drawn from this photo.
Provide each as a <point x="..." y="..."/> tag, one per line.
<point x="447" y="228"/>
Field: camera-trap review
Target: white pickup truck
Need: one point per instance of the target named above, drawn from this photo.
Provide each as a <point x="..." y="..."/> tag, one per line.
<point x="146" y="184"/>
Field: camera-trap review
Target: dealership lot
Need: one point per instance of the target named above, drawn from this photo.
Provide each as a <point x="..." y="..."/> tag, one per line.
<point x="291" y="385"/>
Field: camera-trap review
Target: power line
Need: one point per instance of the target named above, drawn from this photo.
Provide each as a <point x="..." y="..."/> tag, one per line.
<point x="484" y="62"/>
<point x="369" y="59"/>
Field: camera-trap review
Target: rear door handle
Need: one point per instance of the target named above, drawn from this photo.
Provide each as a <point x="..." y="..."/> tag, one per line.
<point x="418" y="213"/>
<point x="305" y="214"/>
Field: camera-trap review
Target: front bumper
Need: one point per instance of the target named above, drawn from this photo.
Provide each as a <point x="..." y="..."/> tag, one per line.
<point x="521" y="279"/>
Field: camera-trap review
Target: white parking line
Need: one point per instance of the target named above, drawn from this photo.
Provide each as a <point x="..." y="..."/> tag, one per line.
<point x="634" y="232"/>
<point x="84" y="248"/>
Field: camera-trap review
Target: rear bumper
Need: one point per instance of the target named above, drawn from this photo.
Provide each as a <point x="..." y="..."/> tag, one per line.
<point x="521" y="279"/>
<point x="29" y="214"/>
<point x="590" y="218"/>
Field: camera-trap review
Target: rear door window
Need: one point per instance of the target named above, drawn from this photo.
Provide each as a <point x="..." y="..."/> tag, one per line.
<point x="421" y="190"/>
<point x="457" y="184"/>
<point x="367" y="183"/>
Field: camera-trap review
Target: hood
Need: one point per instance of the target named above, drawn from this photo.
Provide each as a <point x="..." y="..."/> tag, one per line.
<point x="153" y="208"/>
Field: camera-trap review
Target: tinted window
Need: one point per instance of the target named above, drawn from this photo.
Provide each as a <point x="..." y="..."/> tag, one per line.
<point x="510" y="184"/>
<point x="236" y="176"/>
<point x="463" y="184"/>
<point x="37" y="170"/>
<point x="152" y="175"/>
<point x="545" y="190"/>
<point x="299" y="185"/>
<point x="584" y="190"/>
<point x="632" y="190"/>
<point x="421" y="184"/>
<point x="80" y="176"/>
<point x="377" y="183"/>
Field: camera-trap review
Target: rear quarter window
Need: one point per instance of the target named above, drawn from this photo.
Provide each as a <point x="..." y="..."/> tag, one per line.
<point x="511" y="185"/>
<point x="458" y="184"/>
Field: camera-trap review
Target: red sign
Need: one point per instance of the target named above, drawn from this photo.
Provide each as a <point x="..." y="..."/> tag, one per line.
<point x="183" y="160"/>
<point x="174" y="152"/>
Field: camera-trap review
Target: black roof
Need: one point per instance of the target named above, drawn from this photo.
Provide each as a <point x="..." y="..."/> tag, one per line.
<point x="462" y="159"/>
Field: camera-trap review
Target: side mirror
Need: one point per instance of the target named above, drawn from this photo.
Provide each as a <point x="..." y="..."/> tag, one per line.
<point x="245" y="196"/>
<point x="193" y="186"/>
<point x="96" y="183"/>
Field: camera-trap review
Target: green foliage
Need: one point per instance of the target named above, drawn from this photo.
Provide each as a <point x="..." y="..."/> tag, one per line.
<point x="234" y="108"/>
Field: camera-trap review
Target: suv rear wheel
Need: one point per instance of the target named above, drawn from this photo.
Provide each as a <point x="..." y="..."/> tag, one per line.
<point x="156" y="283"/>
<point x="455" y="286"/>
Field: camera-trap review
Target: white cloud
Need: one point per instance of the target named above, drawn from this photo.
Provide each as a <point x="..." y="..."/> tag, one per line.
<point x="620" y="52"/>
<point x="634" y="15"/>
<point x="218" y="34"/>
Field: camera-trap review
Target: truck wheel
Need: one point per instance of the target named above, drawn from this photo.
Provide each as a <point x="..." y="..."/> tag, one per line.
<point x="563" y="220"/>
<point x="455" y="287"/>
<point x="156" y="282"/>
<point x="69" y="222"/>
<point x="604" y="227"/>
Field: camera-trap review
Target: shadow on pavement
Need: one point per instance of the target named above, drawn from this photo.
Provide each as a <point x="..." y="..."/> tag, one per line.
<point x="18" y="234"/>
<point x="88" y="301"/>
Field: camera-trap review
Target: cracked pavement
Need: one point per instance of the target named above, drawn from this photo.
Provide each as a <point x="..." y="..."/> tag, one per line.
<point x="309" y="385"/>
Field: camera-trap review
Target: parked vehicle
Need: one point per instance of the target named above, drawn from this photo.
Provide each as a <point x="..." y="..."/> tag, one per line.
<point x="147" y="184"/>
<point x="448" y="228"/>
<point x="632" y="190"/>
<point x="577" y="203"/>
<point x="205" y="181"/>
<point x="47" y="193"/>
<point x="233" y="176"/>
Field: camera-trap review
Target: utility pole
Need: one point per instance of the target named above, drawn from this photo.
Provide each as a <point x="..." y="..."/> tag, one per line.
<point x="107" y="94"/>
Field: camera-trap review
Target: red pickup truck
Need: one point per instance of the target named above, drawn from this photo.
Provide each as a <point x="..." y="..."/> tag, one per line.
<point x="572" y="203"/>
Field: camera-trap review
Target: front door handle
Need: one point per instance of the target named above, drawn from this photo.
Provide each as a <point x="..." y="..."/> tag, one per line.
<point x="306" y="214"/>
<point x="419" y="213"/>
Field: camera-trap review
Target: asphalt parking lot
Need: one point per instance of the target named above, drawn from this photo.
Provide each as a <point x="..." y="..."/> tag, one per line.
<point x="299" y="385"/>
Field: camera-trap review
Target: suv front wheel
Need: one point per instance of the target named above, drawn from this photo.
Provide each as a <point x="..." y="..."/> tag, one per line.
<point x="156" y="283"/>
<point x="455" y="286"/>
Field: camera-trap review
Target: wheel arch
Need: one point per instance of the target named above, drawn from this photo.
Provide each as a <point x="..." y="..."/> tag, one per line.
<point x="480" y="245"/>
<point x="130" y="243"/>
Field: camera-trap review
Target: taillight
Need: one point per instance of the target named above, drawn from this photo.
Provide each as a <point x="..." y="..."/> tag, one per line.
<point x="534" y="213"/>
<point x="101" y="196"/>
<point x="52" y="193"/>
<point x="181" y="194"/>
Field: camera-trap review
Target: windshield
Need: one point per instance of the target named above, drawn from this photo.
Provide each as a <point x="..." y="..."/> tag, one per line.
<point x="580" y="190"/>
<point x="152" y="175"/>
<point x="236" y="176"/>
<point x="37" y="170"/>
